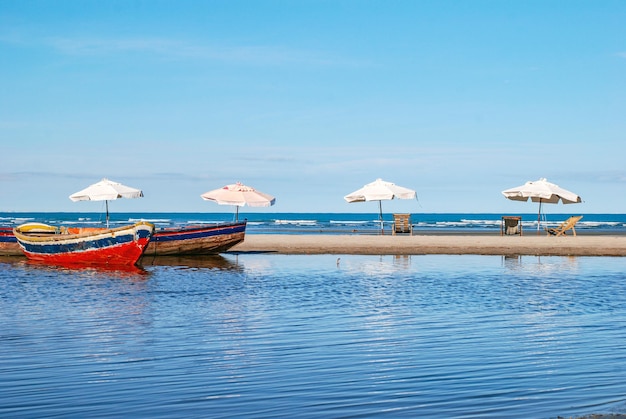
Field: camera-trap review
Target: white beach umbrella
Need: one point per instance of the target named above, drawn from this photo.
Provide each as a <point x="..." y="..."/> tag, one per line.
<point x="106" y="190"/>
<point x="380" y="190"/>
<point x="239" y="195"/>
<point x="541" y="191"/>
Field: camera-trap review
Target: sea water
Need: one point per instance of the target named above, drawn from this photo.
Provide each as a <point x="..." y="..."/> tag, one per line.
<point x="327" y="223"/>
<point x="315" y="336"/>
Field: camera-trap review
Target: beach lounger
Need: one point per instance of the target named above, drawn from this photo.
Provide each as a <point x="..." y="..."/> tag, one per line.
<point x="511" y="225"/>
<point x="402" y="224"/>
<point x="565" y="226"/>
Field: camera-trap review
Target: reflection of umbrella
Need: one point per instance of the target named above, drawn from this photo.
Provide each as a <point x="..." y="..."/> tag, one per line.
<point x="377" y="191"/>
<point x="541" y="191"/>
<point x="106" y="190"/>
<point x="239" y="195"/>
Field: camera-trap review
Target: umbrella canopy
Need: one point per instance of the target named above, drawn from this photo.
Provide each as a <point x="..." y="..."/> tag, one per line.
<point x="541" y="191"/>
<point x="380" y="190"/>
<point x="239" y="195"/>
<point x="106" y="190"/>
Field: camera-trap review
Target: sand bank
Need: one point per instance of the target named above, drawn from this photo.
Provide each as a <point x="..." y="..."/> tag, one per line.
<point x="581" y="245"/>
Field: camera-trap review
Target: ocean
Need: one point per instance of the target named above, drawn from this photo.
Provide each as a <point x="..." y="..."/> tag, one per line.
<point x="328" y="223"/>
<point x="257" y="335"/>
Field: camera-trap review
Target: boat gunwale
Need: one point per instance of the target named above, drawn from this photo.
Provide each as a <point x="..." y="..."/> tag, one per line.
<point x="199" y="227"/>
<point x="56" y="234"/>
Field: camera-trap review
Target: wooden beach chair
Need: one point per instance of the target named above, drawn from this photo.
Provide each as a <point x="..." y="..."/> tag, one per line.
<point x="511" y="225"/>
<point x="565" y="226"/>
<point x="402" y="224"/>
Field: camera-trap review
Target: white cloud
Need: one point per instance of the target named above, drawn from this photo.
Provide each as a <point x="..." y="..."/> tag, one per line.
<point x="176" y="49"/>
<point x="179" y="49"/>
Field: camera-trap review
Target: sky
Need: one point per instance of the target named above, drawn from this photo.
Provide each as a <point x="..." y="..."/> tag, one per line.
<point x="309" y="100"/>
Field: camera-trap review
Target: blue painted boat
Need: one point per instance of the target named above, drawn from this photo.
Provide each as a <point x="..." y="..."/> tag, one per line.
<point x="196" y="240"/>
<point x="8" y="243"/>
<point x="97" y="246"/>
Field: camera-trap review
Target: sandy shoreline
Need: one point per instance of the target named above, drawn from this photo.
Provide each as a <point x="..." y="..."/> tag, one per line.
<point x="543" y="245"/>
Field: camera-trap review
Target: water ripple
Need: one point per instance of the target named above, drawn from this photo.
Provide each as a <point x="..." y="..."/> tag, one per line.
<point x="278" y="336"/>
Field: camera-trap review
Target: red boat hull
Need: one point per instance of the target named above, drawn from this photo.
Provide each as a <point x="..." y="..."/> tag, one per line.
<point x="125" y="254"/>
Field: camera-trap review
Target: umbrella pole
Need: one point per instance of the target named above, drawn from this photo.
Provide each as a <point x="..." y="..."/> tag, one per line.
<point x="539" y="216"/>
<point x="107" y="206"/>
<point x="236" y="213"/>
<point x="380" y="217"/>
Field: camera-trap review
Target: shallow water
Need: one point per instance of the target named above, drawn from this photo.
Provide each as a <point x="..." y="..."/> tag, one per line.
<point x="266" y="335"/>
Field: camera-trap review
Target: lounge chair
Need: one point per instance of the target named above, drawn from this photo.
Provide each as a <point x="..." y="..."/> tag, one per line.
<point x="402" y="224"/>
<point x="511" y="225"/>
<point x="565" y="226"/>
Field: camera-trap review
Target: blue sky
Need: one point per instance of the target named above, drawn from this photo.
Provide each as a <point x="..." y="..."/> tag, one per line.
<point x="310" y="100"/>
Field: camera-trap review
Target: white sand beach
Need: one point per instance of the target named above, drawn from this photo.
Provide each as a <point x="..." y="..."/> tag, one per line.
<point x="581" y="245"/>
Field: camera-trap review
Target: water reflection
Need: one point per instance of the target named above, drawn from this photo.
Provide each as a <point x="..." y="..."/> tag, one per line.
<point x="112" y="271"/>
<point x="402" y="261"/>
<point x="376" y="266"/>
<point x="11" y="260"/>
<point x="512" y="261"/>
<point x="194" y="262"/>
<point x="545" y="264"/>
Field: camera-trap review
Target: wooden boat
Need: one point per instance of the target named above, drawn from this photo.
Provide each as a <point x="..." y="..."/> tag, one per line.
<point x="98" y="246"/>
<point x="196" y="240"/>
<point x="8" y="243"/>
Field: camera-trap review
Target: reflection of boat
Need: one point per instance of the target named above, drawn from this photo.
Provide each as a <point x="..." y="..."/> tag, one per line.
<point x="11" y="260"/>
<point x="196" y="240"/>
<point x="124" y="271"/>
<point x="8" y="243"/>
<point x="104" y="246"/>
<point x="203" y="262"/>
